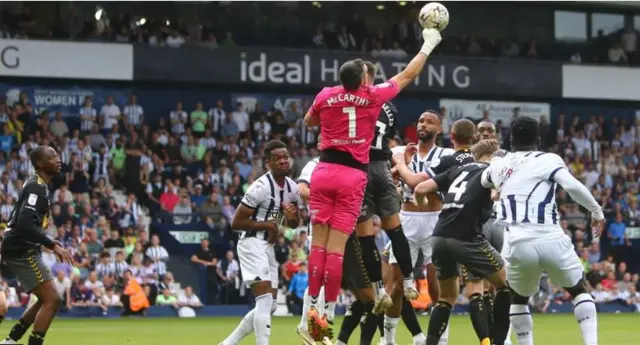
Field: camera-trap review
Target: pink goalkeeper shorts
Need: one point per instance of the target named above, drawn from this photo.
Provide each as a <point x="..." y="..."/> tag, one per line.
<point x="336" y="196"/>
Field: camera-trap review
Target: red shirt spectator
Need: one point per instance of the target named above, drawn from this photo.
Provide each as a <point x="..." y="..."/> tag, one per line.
<point x="169" y="199"/>
<point x="610" y="282"/>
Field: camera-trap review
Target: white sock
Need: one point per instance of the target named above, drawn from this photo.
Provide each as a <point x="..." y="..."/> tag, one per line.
<point x="340" y="343"/>
<point x="522" y="323"/>
<point x="330" y="310"/>
<point x="390" y="326"/>
<point x="321" y="301"/>
<point x="244" y="329"/>
<point x="306" y="304"/>
<point x="262" y="319"/>
<point x="444" y="339"/>
<point x="585" y="311"/>
<point x="419" y="339"/>
<point x="508" y="340"/>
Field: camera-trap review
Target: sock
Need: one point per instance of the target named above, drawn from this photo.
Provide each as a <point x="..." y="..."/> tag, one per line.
<point x="262" y="319"/>
<point x="444" y="338"/>
<point x="317" y="259"/>
<point x="18" y="330"/>
<point x="320" y="302"/>
<point x="501" y="322"/>
<point x="419" y="339"/>
<point x="584" y="308"/>
<point x="410" y="318"/>
<point x="438" y="322"/>
<point x="306" y="304"/>
<point x="371" y="258"/>
<point x="401" y="251"/>
<point x="478" y="316"/>
<point x="488" y="306"/>
<point x="381" y="326"/>
<point x="522" y="323"/>
<point x="369" y="326"/>
<point x="332" y="278"/>
<point x="36" y="338"/>
<point x="508" y="340"/>
<point x="351" y="321"/>
<point x="390" y="326"/>
<point x="244" y="329"/>
<point x="330" y="310"/>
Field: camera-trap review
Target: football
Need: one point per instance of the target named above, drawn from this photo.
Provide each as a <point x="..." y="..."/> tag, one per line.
<point x="434" y="15"/>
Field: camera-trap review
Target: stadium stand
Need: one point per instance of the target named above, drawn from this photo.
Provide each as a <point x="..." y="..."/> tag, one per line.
<point x="161" y="137"/>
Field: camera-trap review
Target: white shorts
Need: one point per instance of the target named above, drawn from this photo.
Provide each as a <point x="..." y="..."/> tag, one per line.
<point x="257" y="261"/>
<point x="526" y="260"/>
<point x="418" y="228"/>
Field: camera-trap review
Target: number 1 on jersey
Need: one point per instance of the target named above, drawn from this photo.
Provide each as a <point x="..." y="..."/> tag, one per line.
<point x="351" y="112"/>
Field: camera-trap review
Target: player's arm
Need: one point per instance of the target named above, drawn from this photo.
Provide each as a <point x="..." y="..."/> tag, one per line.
<point x="242" y="218"/>
<point x="437" y="183"/>
<point x="312" y="117"/>
<point x="29" y="221"/>
<point x="577" y="191"/>
<point x="292" y="211"/>
<point x="304" y="181"/>
<point x="431" y="39"/>
<point x="303" y="187"/>
<point x="492" y="176"/>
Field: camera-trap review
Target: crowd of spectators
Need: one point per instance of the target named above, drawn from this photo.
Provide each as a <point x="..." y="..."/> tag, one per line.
<point x="394" y="39"/>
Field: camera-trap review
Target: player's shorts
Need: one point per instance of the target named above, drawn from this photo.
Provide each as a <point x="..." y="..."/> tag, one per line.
<point x="336" y="196"/>
<point x="257" y="261"/>
<point x="479" y="257"/>
<point x="494" y="233"/>
<point x="354" y="273"/>
<point x="30" y="270"/>
<point x="380" y="196"/>
<point x="418" y="228"/>
<point x="527" y="259"/>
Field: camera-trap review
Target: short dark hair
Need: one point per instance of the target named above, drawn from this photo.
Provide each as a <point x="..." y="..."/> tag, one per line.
<point x="464" y="131"/>
<point x="351" y="73"/>
<point x="371" y="69"/>
<point x="38" y="155"/>
<point x="524" y="131"/>
<point x="434" y="112"/>
<point x="273" y="145"/>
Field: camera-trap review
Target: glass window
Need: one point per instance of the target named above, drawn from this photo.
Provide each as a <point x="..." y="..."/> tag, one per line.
<point x="606" y="22"/>
<point x="636" y="22"/>
<point x="570" y="26"/>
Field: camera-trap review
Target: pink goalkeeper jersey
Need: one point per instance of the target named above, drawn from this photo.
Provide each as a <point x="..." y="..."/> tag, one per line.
<point x="348" y="119"/>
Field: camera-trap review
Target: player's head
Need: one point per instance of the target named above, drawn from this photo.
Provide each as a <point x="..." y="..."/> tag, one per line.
<point x="353" y="74"/>
<point x="277" y="157"/>
<point x="485" y="130"/>
<point x="484" y="149"/>
<point x="371" y="72"/>
<point x="525" y="133"/>
<point x="45" y="160"/>
<point x="463" y="132"/>
<point x="429" y="126"/>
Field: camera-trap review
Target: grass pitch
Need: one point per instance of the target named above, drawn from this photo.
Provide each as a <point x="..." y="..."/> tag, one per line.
<point x="559" y="329"/>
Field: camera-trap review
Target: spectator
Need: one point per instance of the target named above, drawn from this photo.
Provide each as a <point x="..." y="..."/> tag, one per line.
<point x="169" y="198"/>
<point x="617" y="237"/>
<point x="59" y="127"/>
<point x="198" y="120"/>
<point x="166" y="299"/>
<point x="295" y="294"/>
<point x="110" y="114"/>
<point x="206" y="261"/>
<point x="63" y="287"/>
<point x="133" y="113"/>
<point x="617" y="54"/>
<point x="182" y="211"/>
<point x="189" y="299"/>
<point x="158" y="255"/>
<point x="111" y="298"/>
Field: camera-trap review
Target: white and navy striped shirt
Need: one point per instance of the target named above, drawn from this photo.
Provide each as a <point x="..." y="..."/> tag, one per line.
<point x="178" y="119"/>
<point x="87" y="124"/>
<point x="305" y="177"/>
<point x="26" y="167"/>
<point x="134" y="113"/>
<point x="101" y="164"/>
<point x="65" y="156"/>
<point x="120" y="267"/>
<point x="419" y="164"/>
<point x="208" y="142"/>
<point x="265" y="196"/>
<point x="104" y="270"/>
<point x="217" y="117"/>
<point x="158" y="253"/>
<point x="146" y="160"/>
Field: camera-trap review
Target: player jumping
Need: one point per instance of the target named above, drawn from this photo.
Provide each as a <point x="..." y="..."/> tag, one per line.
<point x="527" y="180"/>
<point x="347" y="115"/>
<point x="458" y="239"/>
<point x="271" y="196"/>
<point x="381" y="198"/>
<point x="22" y="248"/>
